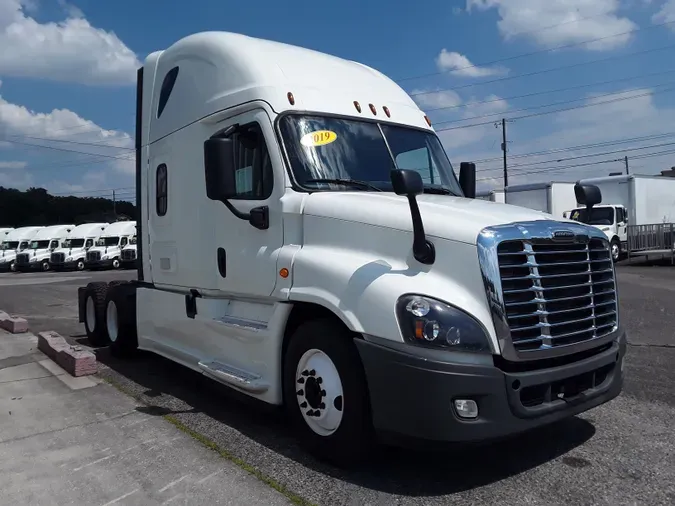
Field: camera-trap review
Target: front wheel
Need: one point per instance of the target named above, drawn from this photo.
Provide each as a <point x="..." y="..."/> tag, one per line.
<point x="80" y="265"/>
<point x="615" y="247"/>
<point x="326" y="394"/>
<point x="12" y="266"/>
<point x="45" y="266"/>
<point x="116" y="263"/>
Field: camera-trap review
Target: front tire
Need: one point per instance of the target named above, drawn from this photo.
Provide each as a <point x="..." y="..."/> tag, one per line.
<point x="116" y="263"/>
<point x="80" y="265"/>
<point x="326" y="394"/>
<point x="615" y="249"/>
<point x="45" y="266"/>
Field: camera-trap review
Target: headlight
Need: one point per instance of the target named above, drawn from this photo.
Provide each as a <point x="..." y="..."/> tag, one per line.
<point x="68" y="259"/>
<point x="432" y="323"/>
<point x="104" y="257"/>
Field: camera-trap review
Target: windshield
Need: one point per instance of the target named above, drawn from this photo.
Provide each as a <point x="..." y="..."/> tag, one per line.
<point x="108" y="241"/>
<point x="10" y="244"/>
<point x="73" y="243"/>
<point x="23" y="245"/>
<point x="336" y="148"/>
<point x="39" y="244"/>
<point x="599" y="216"/>
<point x="133" y="240"/>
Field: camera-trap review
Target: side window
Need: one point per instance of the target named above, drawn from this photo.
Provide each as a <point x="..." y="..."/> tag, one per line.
<point x="89" y="243"/>
<point x="53" y="244"/>
<point x="165" y="91"/>
<point x="620" y="218"/>
<point x="161" y="190"/>
<point x="253" y="168"/>
<point x="421" y="161"/>
<point x="123" y="243"/>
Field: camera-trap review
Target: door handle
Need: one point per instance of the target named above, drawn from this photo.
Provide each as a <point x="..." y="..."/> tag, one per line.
<point x="222" y="262"/>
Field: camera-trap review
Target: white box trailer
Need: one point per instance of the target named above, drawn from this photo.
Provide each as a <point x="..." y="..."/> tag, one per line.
<point x="554" y="198"/>
<point x="289" y="248"/>
<point x="492" y="196"/>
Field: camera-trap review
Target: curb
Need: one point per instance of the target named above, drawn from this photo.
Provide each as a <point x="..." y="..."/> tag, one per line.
<point x="74" y="359"/>
<point x="13" y="324"/>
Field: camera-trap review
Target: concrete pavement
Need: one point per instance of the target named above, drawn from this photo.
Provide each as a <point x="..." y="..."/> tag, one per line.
<point x="66" y="440"/>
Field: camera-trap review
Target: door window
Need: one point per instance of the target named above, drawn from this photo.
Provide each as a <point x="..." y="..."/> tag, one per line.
<point x="253" y="168"/>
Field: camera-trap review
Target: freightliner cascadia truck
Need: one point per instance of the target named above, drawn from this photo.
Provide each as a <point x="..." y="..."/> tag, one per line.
<point x="303" y="238"/>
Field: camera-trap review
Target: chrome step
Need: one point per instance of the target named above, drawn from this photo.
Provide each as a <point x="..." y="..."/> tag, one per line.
<point x="235" y="377"/>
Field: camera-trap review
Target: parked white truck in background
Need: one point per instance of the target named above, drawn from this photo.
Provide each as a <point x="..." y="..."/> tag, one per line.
<point x="41" y="246"/>
<point x="3" y="233"/>
<point x="108" y="248"/>
<point x="492" y="196"/>
<point x="13" y="243"/>
<point x="305" y="266"/>
<point x="74" y="250"/>
<point x="628" y="200"/>
<point x="554" y="198"/>
<point x="130" y="255"/>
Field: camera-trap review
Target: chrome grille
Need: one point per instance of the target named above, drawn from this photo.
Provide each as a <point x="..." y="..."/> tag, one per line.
<point x="129" y="254"/>
<point x="557" y="294"/>
<point x="57" y="258"/>
<point x="23" y="258"/>
<point x="93" y="256"/>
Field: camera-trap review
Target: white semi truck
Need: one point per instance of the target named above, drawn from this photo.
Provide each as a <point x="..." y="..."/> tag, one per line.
<point x="130" y="254"/>
<point x="3" y="233"/>
<point x="285" y="251"/>
<point x="41" y="246"/>
<point x="107" y="251"/>
<point x="13" y="243"/>
<point x="628" y="200"/>
<point x="74" y="250"/>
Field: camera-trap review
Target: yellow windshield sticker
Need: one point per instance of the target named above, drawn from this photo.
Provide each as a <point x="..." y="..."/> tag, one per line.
<point x="318" y="138"/>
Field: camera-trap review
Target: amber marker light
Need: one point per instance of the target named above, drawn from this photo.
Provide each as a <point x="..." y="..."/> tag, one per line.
<point x="386" y="111"/>
<point x="357" y="105"/>
<point x="291" y="98"/>
<point x="426" y="118"/>
<point x="372" y="109"/>
<point x="283" y="273"/>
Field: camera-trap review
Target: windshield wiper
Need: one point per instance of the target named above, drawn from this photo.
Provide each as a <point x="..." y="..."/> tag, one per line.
<point x="347" y="182"/>
<point x="438" y="190"/>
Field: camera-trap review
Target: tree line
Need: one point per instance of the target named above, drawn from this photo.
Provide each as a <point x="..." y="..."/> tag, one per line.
<point x="36" y="206"/>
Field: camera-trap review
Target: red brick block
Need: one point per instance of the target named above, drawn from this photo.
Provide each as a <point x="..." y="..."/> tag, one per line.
<point x="50" y="343"/>
<point x="14" y="324"/>
<point x="76" y="361"/>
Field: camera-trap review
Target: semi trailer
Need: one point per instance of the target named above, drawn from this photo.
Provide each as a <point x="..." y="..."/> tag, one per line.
<point x="554" y="198"/>
<point x="292" y="246"/>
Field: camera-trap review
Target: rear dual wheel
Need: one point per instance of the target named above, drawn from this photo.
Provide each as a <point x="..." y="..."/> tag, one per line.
<point x="110" y="316"/>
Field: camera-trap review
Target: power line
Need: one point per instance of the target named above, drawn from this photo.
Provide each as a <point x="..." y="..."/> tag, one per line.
<point x="547" y="92"/>
<point x="80" y="143"/>
<point x="544" y="71"/>
<point x="62" y="149"/>
<point x="556" y="111"/>
<point x="552" y="104"/>
<point x="540" y="51"/>
<point x="583" y="146"/>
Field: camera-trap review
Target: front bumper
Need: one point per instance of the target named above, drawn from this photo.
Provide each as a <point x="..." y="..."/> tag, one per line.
<point x="413" y="396"/>
<point x="71" y="264"/>
<point x="30" y="266"/>
<point x="5" y="266"/>
<point x="98" y="264"/>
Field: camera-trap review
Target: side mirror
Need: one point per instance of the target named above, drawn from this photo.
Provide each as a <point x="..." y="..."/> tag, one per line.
<point x="587" y="195"/>
<point x="219" y="169"/>
<point x="467" y="179"/>
<point x="407" y="182"/>
<point x="410" y="184"/>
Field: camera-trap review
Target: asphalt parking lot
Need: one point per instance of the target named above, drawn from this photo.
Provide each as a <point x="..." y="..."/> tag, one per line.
<point x="620" y="453"/>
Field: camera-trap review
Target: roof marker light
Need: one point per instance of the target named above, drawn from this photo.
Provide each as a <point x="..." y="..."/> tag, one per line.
<point x="372" y="109"/>
<point x="426" y="118"/>
<point x="291" y="98"/>
<point x="386" y="111"/>
<point x="357" y="105"/>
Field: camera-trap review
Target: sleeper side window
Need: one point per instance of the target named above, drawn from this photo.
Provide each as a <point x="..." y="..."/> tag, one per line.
<point x="167" y="88"/>
<point x="161" y="190"/>
<point x="253" y="167"/>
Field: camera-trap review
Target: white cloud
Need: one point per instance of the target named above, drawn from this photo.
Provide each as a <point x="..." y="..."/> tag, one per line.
<point x="552" y="23"/>
<point x="459" y="65"/>
<point x="12" y="165"/>
<point x="436" y="99"/>
<point x="666" y="14"/>
<point x="90" y="143"/>
<point x="70" y="51"/>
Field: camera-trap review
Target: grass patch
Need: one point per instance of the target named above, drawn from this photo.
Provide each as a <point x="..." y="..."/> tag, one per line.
<point x="211" y="445"/>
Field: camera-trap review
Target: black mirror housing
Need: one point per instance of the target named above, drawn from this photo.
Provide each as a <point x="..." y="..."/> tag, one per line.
<point x="407" y="182"/>
<point x="219" y="169"/>
<point x="587" y="195"/>
<point x="467" y="179"/>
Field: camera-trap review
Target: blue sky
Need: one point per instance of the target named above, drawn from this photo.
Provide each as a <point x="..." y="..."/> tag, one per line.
<point x="67" y="71"/>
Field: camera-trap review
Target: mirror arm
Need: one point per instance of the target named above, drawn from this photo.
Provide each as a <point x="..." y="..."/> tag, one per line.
<point x="423" y="249"/>
<point x="259" y="217"/>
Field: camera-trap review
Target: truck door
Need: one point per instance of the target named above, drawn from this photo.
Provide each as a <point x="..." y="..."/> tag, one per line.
<point x="246" y="255"/>
<point x="621" y="225"/>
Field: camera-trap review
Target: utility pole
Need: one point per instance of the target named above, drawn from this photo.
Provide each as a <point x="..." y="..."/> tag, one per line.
<point x="504" y="142"/>
<point x="114" y="205"/>
<point x="625" y="159"/>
